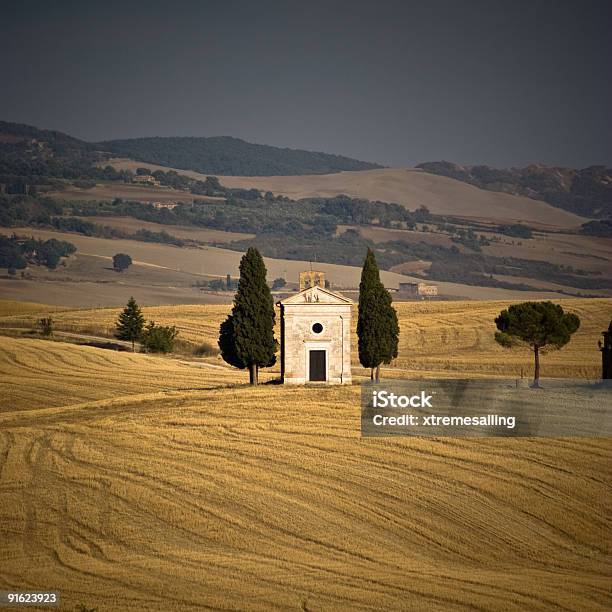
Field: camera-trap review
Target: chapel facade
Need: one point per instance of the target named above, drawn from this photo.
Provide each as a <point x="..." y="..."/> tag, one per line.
<point x="315" y="334"/>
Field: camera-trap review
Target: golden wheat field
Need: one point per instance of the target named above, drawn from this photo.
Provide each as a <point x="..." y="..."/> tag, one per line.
<point x="135" y="482"/>
<point x="436" y="339"/>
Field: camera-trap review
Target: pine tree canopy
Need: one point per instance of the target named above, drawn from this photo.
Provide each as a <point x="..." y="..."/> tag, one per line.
<point x="246" y="337"/>
<point x="537" y="324"/>
<point x="377" y="325"/>
<point x="130" y="323"/>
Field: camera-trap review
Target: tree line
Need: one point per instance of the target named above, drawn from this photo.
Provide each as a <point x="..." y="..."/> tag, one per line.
<point x="16" y="252"/>
<point x="18" y="211"/>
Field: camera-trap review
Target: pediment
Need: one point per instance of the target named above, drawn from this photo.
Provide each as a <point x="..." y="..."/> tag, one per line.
<point x="316" y="295"/>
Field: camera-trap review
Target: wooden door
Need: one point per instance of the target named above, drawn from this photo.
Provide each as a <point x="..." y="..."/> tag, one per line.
<point x="317" y="366"/>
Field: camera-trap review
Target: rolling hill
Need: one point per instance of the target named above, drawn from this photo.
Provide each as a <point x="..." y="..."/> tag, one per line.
<point x="410" y="187"/>
<point x="32" y="155"/>
<point x="226" y="155"/>
<point x="28" y="151"/>
<point x="138" y="482"/>
<point x="36" y="156"/>
<point x="414" y="188"/>
<point x="437" y="339"/>
<point x="431" y="221"/>
<point x="587" y="192"/>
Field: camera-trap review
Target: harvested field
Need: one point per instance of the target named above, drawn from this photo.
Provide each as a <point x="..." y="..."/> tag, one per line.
<point x="436" y="339"/>
<point x="44" y="374"/>
<point x="591" y="253"/>
<point x="131" y="482"/>
<point x="383" y="234"/>
<point x="457" y="339"/>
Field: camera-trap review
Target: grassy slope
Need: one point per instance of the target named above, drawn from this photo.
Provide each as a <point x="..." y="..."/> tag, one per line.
<point x="131" y="482"/>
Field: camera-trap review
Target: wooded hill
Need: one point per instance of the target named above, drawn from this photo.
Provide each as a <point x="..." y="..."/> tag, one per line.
<point x="230" y="156"/>
<point x="29" y="152"/>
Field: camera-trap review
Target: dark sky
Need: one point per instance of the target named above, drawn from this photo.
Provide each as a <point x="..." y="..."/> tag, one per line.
<point x="496" y="82"/>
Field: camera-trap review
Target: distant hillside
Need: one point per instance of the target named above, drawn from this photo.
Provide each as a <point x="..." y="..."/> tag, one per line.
<point x="586" y="192"/>
<point x="58" y="142"/>
<point x="32" y="153"/>
<point x="414" y="188"/>
<point x="230" y="156"/>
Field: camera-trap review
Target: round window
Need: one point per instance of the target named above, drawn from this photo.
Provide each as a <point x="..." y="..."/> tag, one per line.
<point x="317" y="328"/>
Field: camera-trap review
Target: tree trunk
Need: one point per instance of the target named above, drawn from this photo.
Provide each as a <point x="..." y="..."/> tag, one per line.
<point x="372" y="374"/>
<point x="133" y="350"/>
<point x="378" y="373"/>
<point x="252" y="374"/>
<point x="536" y="373"/>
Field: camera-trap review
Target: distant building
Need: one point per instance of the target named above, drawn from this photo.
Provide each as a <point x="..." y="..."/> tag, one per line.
<point x="146" y="179"/>
<point x="418" y="290"/>
<point x="169" y="205"/>
<point x="427" y="290"/>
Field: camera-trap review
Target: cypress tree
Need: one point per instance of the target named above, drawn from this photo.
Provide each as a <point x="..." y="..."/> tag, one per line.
<point x="377" y="326"/>
<point x="130" y="323"/>
<point x="246" y="337"/>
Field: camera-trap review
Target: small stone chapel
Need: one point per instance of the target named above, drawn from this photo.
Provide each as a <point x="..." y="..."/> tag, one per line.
<point x="315" y="334"/>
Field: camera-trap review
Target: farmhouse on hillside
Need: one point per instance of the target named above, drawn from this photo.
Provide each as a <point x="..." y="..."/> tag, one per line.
<point x="146" y="179"/>
<point x="418" y="290"/>
<point x="315" y="334"/>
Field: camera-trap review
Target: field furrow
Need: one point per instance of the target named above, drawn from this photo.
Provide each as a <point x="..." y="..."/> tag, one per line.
<point x="132" y="482"/>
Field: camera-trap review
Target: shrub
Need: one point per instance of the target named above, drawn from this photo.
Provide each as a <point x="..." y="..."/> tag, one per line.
<point x="516" y="229"/>
<point x="205" y="350"/>
<point x="46" y="326"/>
<point x="158" y="338"/>
<point x="84" y="184"/>
<point x="217" y="284"/>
